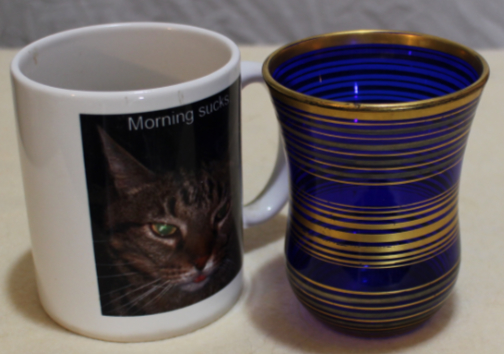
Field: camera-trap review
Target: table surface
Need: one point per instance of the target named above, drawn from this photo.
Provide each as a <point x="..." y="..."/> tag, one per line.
<point x="268" y="318"/>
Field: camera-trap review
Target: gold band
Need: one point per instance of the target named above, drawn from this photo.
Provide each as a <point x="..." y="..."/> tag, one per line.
<point x="369" y="111"/>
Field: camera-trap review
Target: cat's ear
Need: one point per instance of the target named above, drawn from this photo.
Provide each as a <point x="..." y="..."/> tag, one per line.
<point x="128" y="174"/>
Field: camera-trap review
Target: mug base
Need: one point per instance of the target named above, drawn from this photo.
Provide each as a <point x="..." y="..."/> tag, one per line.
<point x="159" y="326"/>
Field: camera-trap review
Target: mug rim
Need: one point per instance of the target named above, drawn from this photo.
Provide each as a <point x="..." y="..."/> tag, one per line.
<point x="413" y="39"/>
<point x="18" y="75"/>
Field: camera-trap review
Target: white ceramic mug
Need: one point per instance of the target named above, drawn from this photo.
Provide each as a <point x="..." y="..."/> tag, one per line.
<point x="130" y="151"/>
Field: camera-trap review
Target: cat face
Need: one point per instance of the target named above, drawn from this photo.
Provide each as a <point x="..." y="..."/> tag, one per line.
<point x="168" y="233"/>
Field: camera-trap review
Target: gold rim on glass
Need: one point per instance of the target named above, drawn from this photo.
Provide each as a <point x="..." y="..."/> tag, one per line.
<point x="376" y="111"/>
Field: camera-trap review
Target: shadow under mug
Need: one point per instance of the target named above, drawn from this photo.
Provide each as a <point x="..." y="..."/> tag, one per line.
<point x="375" y="124"/>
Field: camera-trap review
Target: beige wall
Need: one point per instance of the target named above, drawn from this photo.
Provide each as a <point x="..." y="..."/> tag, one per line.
<point x="477" y="23"/>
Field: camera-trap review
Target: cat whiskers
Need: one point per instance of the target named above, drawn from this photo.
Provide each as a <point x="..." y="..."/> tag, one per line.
<point x="116" y="275"/>
<point x="128" y="306"/>
<point x="165" y="288"/>
<point x="116" y="264"/>
<point x="129" y="286"/>
<point x="128" y="293"/>
<point x="227" y="262"/>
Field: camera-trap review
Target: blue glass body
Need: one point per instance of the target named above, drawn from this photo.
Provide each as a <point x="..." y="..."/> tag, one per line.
<point x="373" y="236"/>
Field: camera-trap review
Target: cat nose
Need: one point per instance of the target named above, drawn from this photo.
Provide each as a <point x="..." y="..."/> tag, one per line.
<point x="200" y="262"/>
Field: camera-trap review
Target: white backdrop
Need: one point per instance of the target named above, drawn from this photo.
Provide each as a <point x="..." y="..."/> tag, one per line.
<point x="477" y="23"/>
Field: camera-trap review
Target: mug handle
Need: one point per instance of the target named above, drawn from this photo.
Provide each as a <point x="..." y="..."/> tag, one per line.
<point x="276" y="192"/>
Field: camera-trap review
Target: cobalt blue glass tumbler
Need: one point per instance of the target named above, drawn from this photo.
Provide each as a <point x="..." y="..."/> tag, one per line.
<point x="375" y="124"/>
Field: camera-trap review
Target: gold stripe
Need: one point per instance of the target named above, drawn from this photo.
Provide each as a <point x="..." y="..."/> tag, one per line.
<point x="380" y="249"/>
<point x="330" y="119"/>
<point x="411" y="39"/>
<point x="375" y="321"/>
<point x="383" y="218"/>
<point x="350" y="167"/>
<point x="339" y="152"/>
<point x="368" y="314"/>
<point x="390" y="266"/>
<point x="383" y="238"/>
<point x="382" y="112"/>
<point x="311" y="128"/>
<point x="315" y="242"/>
<point x="393" y="264"/>
<point x="361" y="226"/>
<point x="381" y="264"/>
<point x="375" y="163"/>
<point x="378" y="264"/>
<point x="446" y="284"/>
<point x="376" y="331"/>
<point x="385" y="308"/>
<point x="371" y="293"/>
<point x="404" y="175"/>
<point x="386" y="210"/>
<point x="371" y="259"/>
<point x="375" y="112"/>
<point x="378" y="148"/>
<point x="407" y="181"/>
<point x="446" y="234"/>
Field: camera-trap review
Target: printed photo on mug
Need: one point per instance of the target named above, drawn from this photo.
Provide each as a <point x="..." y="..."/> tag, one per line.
<point x="164" y="195"/>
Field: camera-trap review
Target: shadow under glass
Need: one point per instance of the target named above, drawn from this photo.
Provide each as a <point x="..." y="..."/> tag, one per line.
<point x="375" y="73"/>
<point x="124" y="59"/>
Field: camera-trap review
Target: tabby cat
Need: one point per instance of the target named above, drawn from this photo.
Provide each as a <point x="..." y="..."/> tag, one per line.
<point x="171" y="238"/>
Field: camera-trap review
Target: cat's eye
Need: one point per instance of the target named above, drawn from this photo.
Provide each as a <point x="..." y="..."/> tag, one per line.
<point x="163" y="230"/>
<point x="222" y="212"/>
